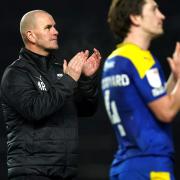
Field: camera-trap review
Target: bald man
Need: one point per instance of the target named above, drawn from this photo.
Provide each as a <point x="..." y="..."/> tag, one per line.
<point x="42" y="100"/>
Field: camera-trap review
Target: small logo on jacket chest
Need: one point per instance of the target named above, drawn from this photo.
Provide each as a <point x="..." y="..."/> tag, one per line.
<point x="59" y="76"/>
<point x="41" y="84"/>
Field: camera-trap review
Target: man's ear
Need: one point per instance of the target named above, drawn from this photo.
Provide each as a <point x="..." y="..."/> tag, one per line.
<point x="135" y="19"/>
<point x="30" y="36"/>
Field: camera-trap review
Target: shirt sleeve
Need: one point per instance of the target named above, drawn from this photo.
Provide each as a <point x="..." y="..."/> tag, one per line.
<point x="153" y="85"/>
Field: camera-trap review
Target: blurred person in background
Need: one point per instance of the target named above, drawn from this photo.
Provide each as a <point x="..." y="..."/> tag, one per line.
<point x="139" y="102"/>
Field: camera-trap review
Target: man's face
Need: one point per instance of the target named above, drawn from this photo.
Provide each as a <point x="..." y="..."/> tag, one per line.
<point x="45" y="33"/>
<point x="151" y="19"/>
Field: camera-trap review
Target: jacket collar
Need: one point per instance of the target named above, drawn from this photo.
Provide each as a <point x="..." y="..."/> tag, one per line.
<point x="43" y="62"/>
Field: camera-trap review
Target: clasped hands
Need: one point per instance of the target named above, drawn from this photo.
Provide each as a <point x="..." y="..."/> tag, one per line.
<point x="174" y="62"/>
<point x="82" y="63"/>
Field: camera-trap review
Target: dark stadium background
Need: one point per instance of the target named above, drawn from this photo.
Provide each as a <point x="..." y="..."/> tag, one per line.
<point x="82" y="25"/>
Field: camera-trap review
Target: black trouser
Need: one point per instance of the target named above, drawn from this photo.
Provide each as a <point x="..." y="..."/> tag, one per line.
<point x="31" y="177"/>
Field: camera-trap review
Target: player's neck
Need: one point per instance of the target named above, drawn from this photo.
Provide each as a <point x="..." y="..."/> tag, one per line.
<point x="141" y="41"/>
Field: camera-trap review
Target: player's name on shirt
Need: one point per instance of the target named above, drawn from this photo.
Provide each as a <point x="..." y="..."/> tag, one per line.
<point x="115" y="81"/>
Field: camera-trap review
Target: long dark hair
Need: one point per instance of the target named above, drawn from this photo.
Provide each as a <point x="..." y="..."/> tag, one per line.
<point x="119" y="15"/>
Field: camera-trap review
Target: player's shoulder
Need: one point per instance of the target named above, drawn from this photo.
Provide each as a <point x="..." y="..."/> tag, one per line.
<point x="126" y="50"/>
<point x="141" y="59"/>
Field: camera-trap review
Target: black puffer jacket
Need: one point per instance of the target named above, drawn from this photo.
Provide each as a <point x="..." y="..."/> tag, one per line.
<point x="40" y="106"/>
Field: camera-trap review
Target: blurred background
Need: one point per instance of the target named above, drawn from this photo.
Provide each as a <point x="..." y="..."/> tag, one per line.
<point x="82" y="25"/>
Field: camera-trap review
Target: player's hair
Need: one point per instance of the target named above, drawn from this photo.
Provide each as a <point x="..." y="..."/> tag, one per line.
<point x="119" y="15"/>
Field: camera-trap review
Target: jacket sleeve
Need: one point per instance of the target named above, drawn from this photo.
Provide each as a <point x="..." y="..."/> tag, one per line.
<point x="86" y="96"/>
<point x="18" y="91"/>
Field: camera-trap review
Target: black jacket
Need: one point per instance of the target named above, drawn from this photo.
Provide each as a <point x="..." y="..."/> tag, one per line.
<point x="40" y="107"/>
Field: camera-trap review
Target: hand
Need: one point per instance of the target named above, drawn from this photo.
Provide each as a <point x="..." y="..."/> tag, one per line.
<point x="75" y="65"/>
<point x="92" y="64"/>
<point x="174" y="62"/>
